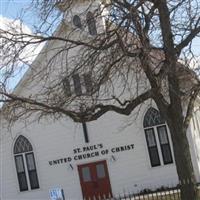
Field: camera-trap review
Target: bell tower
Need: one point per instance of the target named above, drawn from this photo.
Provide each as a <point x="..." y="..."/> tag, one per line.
<point x="85" y="15"/>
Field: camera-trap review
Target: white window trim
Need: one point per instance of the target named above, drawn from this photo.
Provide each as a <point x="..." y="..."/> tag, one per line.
<point x="159" y="146"/>
<point x="23" y="154"/>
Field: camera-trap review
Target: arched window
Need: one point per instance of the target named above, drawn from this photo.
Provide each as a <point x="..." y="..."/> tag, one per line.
<point x="25" y="164"/>
<point x="152" y="118"/>
<point x="157" y="138"/>
<point x="77" y="21"/>
<point x="91" y="22"/>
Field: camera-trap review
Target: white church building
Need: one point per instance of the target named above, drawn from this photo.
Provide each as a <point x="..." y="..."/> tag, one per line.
<point x="113" y="155"/>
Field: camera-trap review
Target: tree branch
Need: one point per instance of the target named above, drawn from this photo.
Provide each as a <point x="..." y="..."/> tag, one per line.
<point x="187" y="40"/>
<point x="91" y="114"/>
<point x="99" y="110"/>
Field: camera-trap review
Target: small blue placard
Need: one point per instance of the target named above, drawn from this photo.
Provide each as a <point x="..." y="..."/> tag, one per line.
<point x="56" y="194"/>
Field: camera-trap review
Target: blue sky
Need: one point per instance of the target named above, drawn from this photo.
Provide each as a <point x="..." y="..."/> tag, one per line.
<point x="196" y="46"/>
<point x="17" y="8"/>
<point x="11" y="8"/>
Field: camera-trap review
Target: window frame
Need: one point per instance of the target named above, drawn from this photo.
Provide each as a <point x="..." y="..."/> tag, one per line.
<point x="155" y="128"/>
<point x="167" y="144"/>
<point x="88" y="177"/>
<point x="77" y="21"/>
<point x="77" y="84"/>
<point x="26" y="172"/>
<point x="91" y="23"/>
<point x="99" y="173"/>
<point x="80" y="84"/>
<point x="34" y="170"/>
<point x="88" y="83"/>
<point x="67" y="87"/>
<point x="149" y="148"/>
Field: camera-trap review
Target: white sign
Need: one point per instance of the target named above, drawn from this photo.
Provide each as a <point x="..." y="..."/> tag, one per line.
<point x="56" y="194"/>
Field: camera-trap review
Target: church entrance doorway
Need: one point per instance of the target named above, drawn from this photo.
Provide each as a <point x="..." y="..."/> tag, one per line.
<point x="94" y="180"/>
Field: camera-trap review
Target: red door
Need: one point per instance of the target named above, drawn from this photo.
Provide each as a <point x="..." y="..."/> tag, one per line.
<point x="94" y="180"/>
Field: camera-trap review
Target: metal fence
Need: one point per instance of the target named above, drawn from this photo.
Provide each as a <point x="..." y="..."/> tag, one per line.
<point x="170" y="194"/>
<point x="165" y="194"/>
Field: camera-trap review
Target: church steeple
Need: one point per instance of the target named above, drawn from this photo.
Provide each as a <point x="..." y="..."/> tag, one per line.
<point x="63" y="5"/>
<point x="83" y="14"/>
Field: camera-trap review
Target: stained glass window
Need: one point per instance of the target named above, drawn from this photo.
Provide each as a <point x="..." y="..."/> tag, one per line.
<point x="22" y="145"/>
<point x="152" y="118"/>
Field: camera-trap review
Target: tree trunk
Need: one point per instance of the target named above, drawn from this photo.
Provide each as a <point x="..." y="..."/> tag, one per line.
<point x="183" y="159"/>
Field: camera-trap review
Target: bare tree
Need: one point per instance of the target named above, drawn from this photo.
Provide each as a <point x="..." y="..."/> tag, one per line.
<point x="141" y="51"/>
